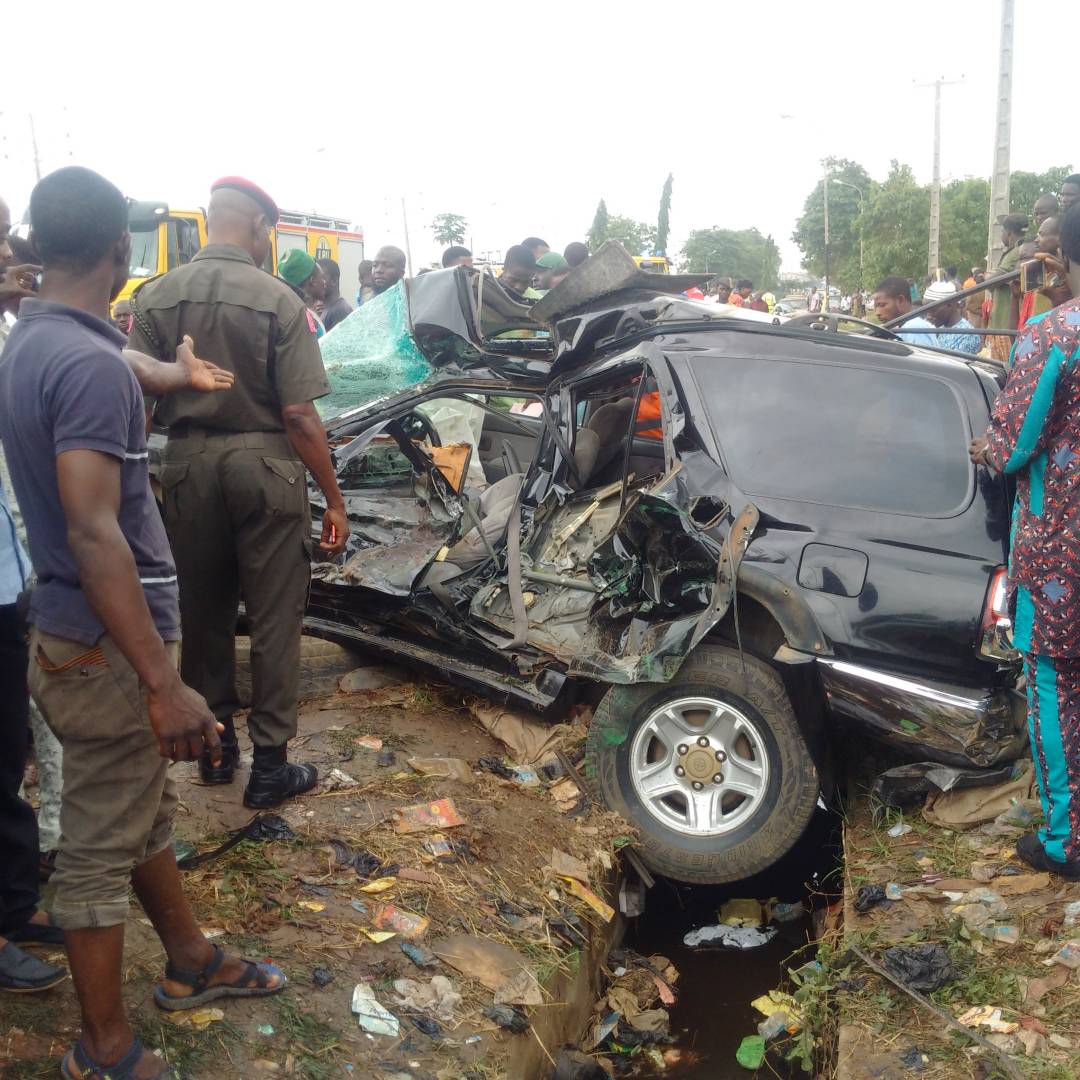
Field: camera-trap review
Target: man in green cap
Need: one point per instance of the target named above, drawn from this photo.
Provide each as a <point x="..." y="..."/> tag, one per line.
<point x="551" y="268"/>
<point x="302" y="272"/>
<point x="234" y="477"/>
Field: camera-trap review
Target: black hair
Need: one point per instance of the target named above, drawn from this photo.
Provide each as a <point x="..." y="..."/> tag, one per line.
<point x="453" y="253"/>
<point x="365" y="264"/>
<point x="895" y="286"/>
<point x="331" y="270"/>
<point x="744" y="283"/>
<point x="1014" y="223"/>
<point x="519" y="255"/>
<point x="576" y="253"/>
<point x="23" y="251"/>
<point x="76" y="216"/>
<point x="531" y="242"/>
<point x="1074" y="180"/>
<point x="950" y="271"/>
<point x="1069" y="237"/>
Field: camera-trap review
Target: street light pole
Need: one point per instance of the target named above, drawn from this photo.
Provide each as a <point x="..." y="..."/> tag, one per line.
<point x="934" y="254"/>
<point x="825" y="189"/>
<point x="999" y="181"/>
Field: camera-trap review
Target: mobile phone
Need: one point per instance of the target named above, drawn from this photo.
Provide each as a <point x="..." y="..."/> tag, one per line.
<point x="1032" y="275"/>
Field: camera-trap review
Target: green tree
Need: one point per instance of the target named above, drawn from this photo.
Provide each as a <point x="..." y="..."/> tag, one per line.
<point x="663" y="222"/>
<point x="965" y="212"/>
<point x="1026" y="187"/>
<point x="896" y="226"/>
<point x="638" y="237"/>
<point x="598" y="231"/>
<point x="449" y="229"/>
<point x="843" y="223"/>
<point x="736" y="253"/>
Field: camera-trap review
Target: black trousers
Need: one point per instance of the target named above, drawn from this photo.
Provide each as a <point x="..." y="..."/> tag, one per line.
<point x="18" y="825"/>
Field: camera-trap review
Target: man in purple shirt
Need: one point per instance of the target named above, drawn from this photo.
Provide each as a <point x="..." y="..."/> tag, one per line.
<point x="106" y="628"/>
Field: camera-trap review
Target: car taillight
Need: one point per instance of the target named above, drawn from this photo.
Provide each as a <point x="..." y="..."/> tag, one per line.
<point x="995" y="634"/>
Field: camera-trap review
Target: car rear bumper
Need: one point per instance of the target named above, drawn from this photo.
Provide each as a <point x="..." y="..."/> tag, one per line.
<point x="951" y="724"/>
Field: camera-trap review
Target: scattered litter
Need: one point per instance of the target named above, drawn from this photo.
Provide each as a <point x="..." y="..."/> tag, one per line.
<point x="450" y="768"/>
<point x="183" y="849"/>
<point x="490" y="963"/>
<point x="496" y="766"/>
<point x="601" y="1029"/>
<point x="907" y="785"/>
<point x="336" y="780"/>
<point x="1061" y="1042"/>
<point x="742" y="913"/>
<point x="400" y="922"/>
<point x="1022" y="884"/>
<point x="915" y="1060"/>
<point x="441" y="814"/>
<point x="525" y="776"/>
<point x="623" y="1000"/>
<point x="1068" y="955"/>
<point x="212" y="932"/>
<point x="373" y="1017"/>
<point x="1037" y="989"/>
<point x="779" y="1003"/>
<point x="892" y="892"/>
<point x="776" y="1025"/>
<point x="261" y="827"/>
<point x="425" y="877"/>
<point x="439" y="846"/>
<point x="1072" y="913"/>
<point x="632" y="896"/>
<point x="868" y="896"/>
<point x="359" y="905"/>
<point x="511" y="1019"/>
<point x="379" y="885"/>
<point x="573" y="1065"/>
<point x="989" y="1017"/>
<point x="370" y="678"/>
<point x="379" y="936"/>
<point x="920" y="967"/>
<point x="751" y="1052"/>
<point x="603" y="909"/>
<point x="566" y="793"/>
<point x="519" y="989"/>
<point x="783" y="912"/>
<point x="418" y="954"/>
<point x="322" y="977"/>
<point x="266" y="1030"/>
<point x="734" y="937"/>
<point x="369" y="742"/>
<point x="196" y="1018"/>
<point x="568" y="866"/>
<point x="427" y="1026"/>
<point x="901" y="828"/>
<point x="312" y="905"/>
<point x="529" y="740"/>
<point x="966" y="808"/>
<point x="438" y="997"/>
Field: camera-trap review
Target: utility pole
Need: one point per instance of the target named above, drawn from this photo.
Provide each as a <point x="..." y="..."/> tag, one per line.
<point x="825" y="190"/>
<point x="999" y="180"/>
<point x="33" y="142"/>
<point x="862" y="253"/>
<point x="934" y="260"/>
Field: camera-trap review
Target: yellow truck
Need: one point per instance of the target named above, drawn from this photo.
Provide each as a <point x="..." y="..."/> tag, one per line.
<point x="163" y="238"/>
<point x="653" y="264"/>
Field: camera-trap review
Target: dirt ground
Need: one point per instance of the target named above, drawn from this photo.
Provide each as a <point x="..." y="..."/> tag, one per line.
<point x="1007" y="965"/>
<point x="295" y="902"/>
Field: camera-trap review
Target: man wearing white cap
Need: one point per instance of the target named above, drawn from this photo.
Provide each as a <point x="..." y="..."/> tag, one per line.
<point x="948" y="314"/>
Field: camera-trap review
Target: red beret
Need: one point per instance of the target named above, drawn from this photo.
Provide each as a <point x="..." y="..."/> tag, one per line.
<point x="252" y="191"/>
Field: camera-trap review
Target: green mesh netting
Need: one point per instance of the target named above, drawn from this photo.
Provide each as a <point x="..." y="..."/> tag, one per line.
<point x="371" y="353"/>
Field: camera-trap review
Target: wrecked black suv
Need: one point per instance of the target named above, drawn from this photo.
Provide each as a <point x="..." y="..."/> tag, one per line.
<point x="750" y="533"/>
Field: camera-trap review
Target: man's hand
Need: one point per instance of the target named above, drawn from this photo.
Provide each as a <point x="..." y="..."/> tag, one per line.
<point x="335" y="531"/>
<point x="17" y="281"/>
<point x="979" y="452"/>
<point x="199" y="374"/>
<point x="183" y="723"/>
<point x="1057" y="289"/>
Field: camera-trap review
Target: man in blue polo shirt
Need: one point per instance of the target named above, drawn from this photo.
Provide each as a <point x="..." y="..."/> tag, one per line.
<point x="106" y="627"/>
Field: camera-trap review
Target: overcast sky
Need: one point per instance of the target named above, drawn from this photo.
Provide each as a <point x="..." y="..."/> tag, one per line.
<point x="521" y="116"/>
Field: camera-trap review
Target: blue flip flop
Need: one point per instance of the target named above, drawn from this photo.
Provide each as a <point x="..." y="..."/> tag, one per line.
<point x="203" y="993"/>
<point x="89" y="1069"/>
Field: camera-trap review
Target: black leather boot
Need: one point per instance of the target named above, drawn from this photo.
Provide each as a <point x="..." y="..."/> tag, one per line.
<point x="223" y="773"/>
<point x="270" y="785"/>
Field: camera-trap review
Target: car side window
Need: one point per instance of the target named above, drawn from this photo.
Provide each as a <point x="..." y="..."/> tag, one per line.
<point x="865" y="438"/>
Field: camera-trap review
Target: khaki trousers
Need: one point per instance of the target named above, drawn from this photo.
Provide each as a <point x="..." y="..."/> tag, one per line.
<point x="237" y="514"/>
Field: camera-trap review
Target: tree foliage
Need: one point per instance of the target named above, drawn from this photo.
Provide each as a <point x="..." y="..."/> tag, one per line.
<point x="663" y="221"/>
<point x="636" y="236"/>
<point x="598" y="231"/>
<point x="896" y="227"/>
<point x="449" y="229"/>
<point x="843" y="223"/>
<point x="1026" y="187"/>
<point x="735" y="253"/>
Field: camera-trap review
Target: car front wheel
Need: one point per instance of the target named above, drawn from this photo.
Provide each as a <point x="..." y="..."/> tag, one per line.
<point x="712" y="767"/>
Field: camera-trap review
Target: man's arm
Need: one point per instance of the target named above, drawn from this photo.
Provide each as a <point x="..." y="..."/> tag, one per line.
<point x="188" y="373"/>
<point x="308" y="436"/>
<point x="1018" y="419"/>
<point x="89" y="483"/>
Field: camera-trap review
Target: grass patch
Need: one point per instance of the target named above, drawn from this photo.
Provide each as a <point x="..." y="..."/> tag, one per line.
<point x="311" y="1041"/>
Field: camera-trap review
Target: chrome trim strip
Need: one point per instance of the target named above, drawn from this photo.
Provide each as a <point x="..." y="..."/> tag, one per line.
<point x="895" y="682"/>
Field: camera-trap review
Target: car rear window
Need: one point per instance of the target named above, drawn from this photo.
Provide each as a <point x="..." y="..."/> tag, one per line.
<point x="843" y="436"/>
